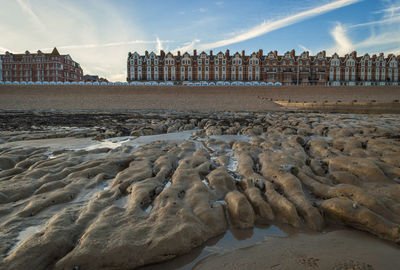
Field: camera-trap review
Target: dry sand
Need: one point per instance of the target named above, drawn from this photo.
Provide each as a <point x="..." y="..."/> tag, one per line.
<point x="179" y="98"/>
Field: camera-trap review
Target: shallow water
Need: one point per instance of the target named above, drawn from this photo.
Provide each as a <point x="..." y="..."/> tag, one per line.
<point x="233" y="239"/>
<point x="23" y="235"/>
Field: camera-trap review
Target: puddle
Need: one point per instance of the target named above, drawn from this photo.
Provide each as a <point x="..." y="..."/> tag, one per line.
<point x="23" y="235"/>
<point x="233" y="239"/>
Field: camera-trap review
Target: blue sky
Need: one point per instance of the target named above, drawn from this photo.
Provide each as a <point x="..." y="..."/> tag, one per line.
<point x="99" y="33"/>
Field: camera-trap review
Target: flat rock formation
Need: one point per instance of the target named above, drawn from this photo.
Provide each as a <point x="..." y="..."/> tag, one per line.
<point x="149" y="187"/>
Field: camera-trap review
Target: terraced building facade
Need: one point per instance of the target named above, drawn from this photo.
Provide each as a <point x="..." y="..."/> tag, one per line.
<point x="287" y="69"/>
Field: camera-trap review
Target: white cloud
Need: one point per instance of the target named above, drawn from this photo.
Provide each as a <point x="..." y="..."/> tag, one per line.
<point x="219" y="3"/>
<point x="304" y="48"/>
<point x="384" y="34"/>
<point x="188" y="47"/>
<point x="269" y="26"/>
<point x="343" y="44"/>
<point x="27" y="9"/>
<point x="159" y="45"/>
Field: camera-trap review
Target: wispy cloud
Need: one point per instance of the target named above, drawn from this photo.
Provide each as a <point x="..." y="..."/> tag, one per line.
<point x="384" y="35"/>
<point x="343" y="43"/>
<point x="32" y="15"/>
<point x="187" y="47"/>
<point x="304" y="48"/>
<point x="219" y="3"/>
<point x="3" y="50"/>
<point x="159" y="45"/>
<point x="269" y="26"/>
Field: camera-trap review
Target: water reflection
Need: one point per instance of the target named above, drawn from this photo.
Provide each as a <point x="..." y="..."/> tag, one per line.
<point x="232" y="239"/>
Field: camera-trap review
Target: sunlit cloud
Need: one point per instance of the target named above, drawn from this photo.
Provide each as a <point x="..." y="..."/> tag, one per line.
<point x="269" y="26"/>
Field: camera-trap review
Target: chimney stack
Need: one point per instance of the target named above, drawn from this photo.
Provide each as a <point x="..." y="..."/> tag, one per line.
<point x="260" y="53"/>
<point x="243" y="53"/>
<point x="162" y="53"/>
<point x="211" y="53"/>
<point x="324" y="53"/>
<point x="227" y="53"/>
<point x="194" y="53"/>
<point x="293" y="52"/>
<point x="179" y="53"/>
<point x="276" y="53"/>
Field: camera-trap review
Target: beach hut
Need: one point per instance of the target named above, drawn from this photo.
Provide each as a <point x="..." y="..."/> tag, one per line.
<point x="1" y="83"/>
<point x="52" y="83"/>
<point x="190" y="84"/>
<point x="74" y="83"/>
<point x="263" y="84"/>
<point x="234" y="83"/>
<point x="118" y="83"/>
<point x="7" y="83"/>
<point x="60" y="83"/>
<point x="147" y="83"/>
<point x="241" y="83"/>
<point x="154" y="83"/>
<point x="132" y="83"/>
<point x="15" y="83"/>
<point x="227" y="83"/>
<point x="23" y="83"/>
<point x="270" y="83"/>
<point x="125" y="83"/>
<point x="110" y="83"/>
<point x="81" y="83"/>
<point x="220" y="83"/>
<point x="211" y="84"/>
<point x="170" y="83"/>
<point x="278" y="84"/>
<point x="96" y="83"/>
<point x="197" y="84"/>
<point x="248" y="83"/>
<point x="103" y="83"/>
<point x="140" y="84"/>
<point x="67" y="83"/>
<point x="256" y="83"/>
<point x="31" y="83"/>
<point x="89" y="83"/>
<point x="204" y="84"/>
<point x="161" y="84"/>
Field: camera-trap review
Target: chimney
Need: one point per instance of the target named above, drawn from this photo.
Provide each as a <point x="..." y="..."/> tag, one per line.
<point x="146" y="53"/>
<point x="211" y="53"/>
<point x="243" y="53"/>
<point x="194" y="53"/>
<point x="293" y="52"/>
<point x="354" y="53"/>
<point x="227" y="53"/>
<point x="161" y="53"/>
<point x="324" y="53"/>
<point x="179" y="53"/>
<point x="276" y="53"/>
<point x="260" y="53"/>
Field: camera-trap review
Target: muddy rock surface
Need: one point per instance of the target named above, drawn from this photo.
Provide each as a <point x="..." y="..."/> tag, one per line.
<point x="104" y="191"/>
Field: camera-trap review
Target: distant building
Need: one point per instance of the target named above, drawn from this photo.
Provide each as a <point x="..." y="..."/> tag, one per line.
<point x="287" y="69"/>
<point x="93" y="78"/>
<point x="40" y="67"/>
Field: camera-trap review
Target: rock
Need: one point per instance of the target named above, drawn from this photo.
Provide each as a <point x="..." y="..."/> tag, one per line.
<point x="240" y="211"/>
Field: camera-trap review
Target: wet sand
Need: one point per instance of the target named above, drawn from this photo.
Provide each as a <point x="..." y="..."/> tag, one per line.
<point x="188" y="190"/>
<point x="180" y="98"/>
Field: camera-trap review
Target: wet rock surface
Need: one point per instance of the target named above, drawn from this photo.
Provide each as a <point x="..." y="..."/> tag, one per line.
<point x="119" y="191"/>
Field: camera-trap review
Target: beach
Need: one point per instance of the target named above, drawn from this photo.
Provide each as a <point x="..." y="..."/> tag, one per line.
<point x="198" y="178"/>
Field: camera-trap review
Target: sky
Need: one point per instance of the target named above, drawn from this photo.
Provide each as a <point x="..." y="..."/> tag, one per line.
<point x="99" y="34"/>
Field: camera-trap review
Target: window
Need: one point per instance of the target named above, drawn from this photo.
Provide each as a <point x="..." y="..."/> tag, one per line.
<point x="216" y="61"/>
<point x="199" y="62"/>
<point x="149" y="62"/>
<point x="172" y="62"/>
<point x="199" y="68"/>
<point x="234" y="62"/>
<point x="183" y="69"/>
<point x="183" y="62"/>
<point x="251" y="62"/>
<point x="216" y="69"/>
<point x="206" y="61"/>
<point x="223" y="68"/>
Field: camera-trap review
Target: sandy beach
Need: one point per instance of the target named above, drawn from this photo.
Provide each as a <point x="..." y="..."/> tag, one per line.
<point x="110" y="182"/>
<point x="180" y="98"/>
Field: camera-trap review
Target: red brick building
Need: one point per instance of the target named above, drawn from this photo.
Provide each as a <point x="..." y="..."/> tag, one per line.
<point x="50" y="67"/>
<point x="287" y="69"/>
